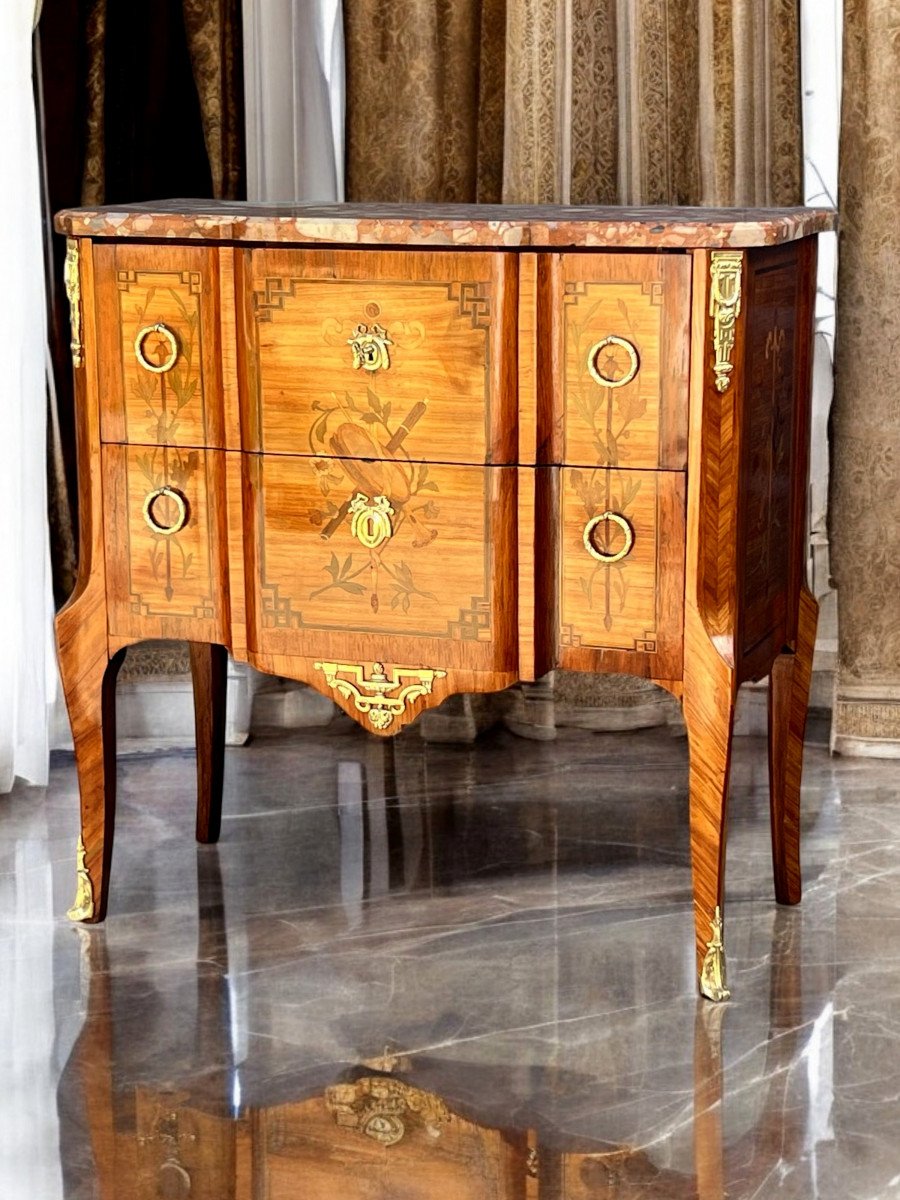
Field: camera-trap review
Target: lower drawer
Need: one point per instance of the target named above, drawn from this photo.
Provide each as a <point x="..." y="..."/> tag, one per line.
<point x="621" y="571"/>
<point x="166" y="566"/>
<point x="387" y="561"/>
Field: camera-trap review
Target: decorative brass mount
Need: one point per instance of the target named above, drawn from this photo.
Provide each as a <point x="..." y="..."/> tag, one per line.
<point x="72" y="278"/>
<point x="371" y="520"/>
<point x="83" y="908"/>
<point x="594" y="365"/>
<point x="371" y="695"/>
<point x="713" y="983"/>
<point x="601" y="555"/>
<point x="370" y="348"/>
<point x="725" y="268"/>
<point x="383" y="1108"/>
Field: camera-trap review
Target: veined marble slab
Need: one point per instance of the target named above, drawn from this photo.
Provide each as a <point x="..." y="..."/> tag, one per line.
<point x="453" y="225"/>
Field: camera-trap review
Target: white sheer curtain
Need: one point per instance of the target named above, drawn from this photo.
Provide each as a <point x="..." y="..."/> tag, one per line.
<point x="27" y="660"/>
<point x="294" y="99"/>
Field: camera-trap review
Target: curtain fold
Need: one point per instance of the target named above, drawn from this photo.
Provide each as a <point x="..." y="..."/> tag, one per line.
<point x="653" y="102"/>
<point x="425" y="84"/>
<point x="864" y="517"/>
<point x="27" y="661"/>
<point x="163" y="101"/>
<point x="216" y="53"/>
<point x="575" y="101"/>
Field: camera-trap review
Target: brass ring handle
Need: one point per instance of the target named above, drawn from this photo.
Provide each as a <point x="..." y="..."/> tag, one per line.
<point x="634" y="362"/>
<point x="623" y="524"/>
<point x="168" y="336"/>
<point x="180" y="503"/>
<point x="371" y="520"/>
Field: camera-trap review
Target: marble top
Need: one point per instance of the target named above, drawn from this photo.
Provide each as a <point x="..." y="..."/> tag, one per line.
<point x="455" y="225"/>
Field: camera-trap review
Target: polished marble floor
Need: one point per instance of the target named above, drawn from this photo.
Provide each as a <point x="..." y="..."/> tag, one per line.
<point x="414" y="970"/>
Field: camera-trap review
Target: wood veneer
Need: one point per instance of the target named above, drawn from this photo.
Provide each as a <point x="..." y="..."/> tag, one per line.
<point x="487" y="435"/>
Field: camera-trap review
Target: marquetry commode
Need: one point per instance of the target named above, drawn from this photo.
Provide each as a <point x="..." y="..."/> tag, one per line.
<point x="398" y="453"/>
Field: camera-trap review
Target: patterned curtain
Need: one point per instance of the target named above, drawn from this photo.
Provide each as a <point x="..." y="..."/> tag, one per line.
<point x="864" y="515"/>
<point x="164" y="101"/>
<point x="581" y="101"/>
<point x="425" y="99"/>
<point x="215" y="47"/>
<point x="653" y="102"/>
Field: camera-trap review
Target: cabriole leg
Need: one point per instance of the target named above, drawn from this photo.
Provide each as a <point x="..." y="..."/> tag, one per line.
<point x="209" y="672"/>
<point x="788" y="700"/>
<point x="91" y="700"/>
<point x="709" y="716"/>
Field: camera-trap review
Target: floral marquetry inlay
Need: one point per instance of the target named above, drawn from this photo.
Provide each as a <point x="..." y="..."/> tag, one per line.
<point x="612" y="373"/>
<point x="610" y="581"/>
<point x="170" y="573"/>
<point x="161" y="356"/>
<point x="324" y="342"/>
<point x="374" y="544"/>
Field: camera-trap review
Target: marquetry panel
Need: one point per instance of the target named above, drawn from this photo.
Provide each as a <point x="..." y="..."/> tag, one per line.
<point x="444" y="575"/>
<point x="768" y="441"/>
<point x="139" y="288"/>
<point x="438" y="331"/>
<point x="632" y="607"/>
<point x="165" y="586"/>
<point x="619" y="368"/>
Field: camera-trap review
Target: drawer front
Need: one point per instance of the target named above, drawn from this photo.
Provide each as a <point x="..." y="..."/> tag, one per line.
<point x="159" y="345"/>
<point x="165" y="584"/>
<point x="383" y="561"/>
<point x="621" y="600"/>
<point x="375" y="354"/>
<point x="622" y="371"/>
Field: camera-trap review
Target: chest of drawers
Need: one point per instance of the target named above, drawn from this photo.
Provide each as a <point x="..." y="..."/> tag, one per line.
<point x="402" y="453"/>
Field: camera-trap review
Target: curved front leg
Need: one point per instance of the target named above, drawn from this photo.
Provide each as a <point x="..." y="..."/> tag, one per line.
<point x="90" y="689"/>
<point x="709" y="702"/>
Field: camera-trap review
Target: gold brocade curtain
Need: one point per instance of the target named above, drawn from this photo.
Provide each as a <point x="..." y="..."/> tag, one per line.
<point x="215" y="46"/>
<point x="425" y="96"/>
<point x="581" y="101"/>
<point x="164" y="101"/>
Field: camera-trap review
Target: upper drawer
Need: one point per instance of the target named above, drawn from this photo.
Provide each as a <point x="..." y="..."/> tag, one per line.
<point x="617" y="343"/>
<point x="158" y="351"/>
<point x="380" y="354"/>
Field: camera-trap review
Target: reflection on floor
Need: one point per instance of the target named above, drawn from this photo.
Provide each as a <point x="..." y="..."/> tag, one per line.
<point x="411" y="971"/>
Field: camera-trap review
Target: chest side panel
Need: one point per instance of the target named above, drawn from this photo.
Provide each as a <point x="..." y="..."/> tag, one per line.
<point x="772" y="447"/>
<point x="379" y="353"/>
